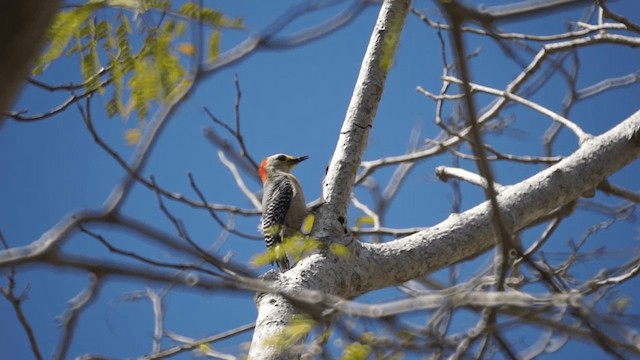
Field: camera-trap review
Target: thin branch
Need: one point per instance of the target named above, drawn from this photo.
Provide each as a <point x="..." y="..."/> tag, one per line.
<point x="587" y="29"/>
<point x="621" y="19"/>
<point x="340" y="176"/>
<point x="182" y="232"/>
<point x="387" y="231"/>
<point x="632" y="272"/>
<point x="15" y="301"/>
<point x="582" y="136"/>
<point x="504" y="238"/>
<point x="68" y="87"/>
<point x="444" y="173"/>
<point x="215" y="216"/>
<point x="172" y="242"/>
<point x="238" y="132"/>
<point x="196" y="343"/>
<point x="70" y="316"/>
<point x="611" y="189"/>
<point x="365" y="209"/>
<point x="236" y="175"/>
<point x="607" y="84"/>
<point x="493" y="110"/>
<point x="154" y="186"/>
<point x="133" y="255"/>
<point x="73" y="99"/>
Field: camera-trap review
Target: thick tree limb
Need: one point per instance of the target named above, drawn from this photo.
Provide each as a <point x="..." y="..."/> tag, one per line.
<point x="362" y="109"/>
<point x="274" y="312"/>
<point x="461" y="236"/>
<point x="470" y="233"/>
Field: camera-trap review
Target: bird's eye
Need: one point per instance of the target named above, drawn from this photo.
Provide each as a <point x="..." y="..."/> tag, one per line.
<point x="282" y="158"/>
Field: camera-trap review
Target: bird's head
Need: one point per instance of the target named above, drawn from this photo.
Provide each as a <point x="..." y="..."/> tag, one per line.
<point x="281" y="162"/>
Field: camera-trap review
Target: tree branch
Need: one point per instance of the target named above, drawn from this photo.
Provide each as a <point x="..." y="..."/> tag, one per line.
<point x="362" y="109"/>
<point x="274" y="312"/>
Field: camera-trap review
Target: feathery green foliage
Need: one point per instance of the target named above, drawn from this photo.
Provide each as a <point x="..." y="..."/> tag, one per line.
<point x="65" y="25"/>
<point x="214" y="45"/>
<point x="123" y="51"/>
<point x="356" y="351"/>
<point x="297" y="328"/>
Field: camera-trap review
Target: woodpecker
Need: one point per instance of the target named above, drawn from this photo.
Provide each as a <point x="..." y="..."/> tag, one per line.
<point x="283" y="205"/>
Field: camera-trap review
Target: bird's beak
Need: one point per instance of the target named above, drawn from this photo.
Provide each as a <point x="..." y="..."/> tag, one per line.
<point x="299" y="159"/>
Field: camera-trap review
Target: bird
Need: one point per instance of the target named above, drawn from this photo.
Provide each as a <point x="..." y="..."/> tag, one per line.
<point x="283" y="205"/>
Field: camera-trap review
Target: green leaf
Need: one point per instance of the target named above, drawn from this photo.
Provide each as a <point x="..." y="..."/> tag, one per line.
<point x="298" y="327"/>
<point x="103" y="29"/>
<point x="171" y="72"/>
<point x="122" y="42"/>
<point x="65" y="25"/>
<point x="209" y="16"/>
<point x="112" y="107"/>
<point x="162" y="5"/>
<point x="109" y="43"/>
<point x="339" y="250"/>
<point x="364" y="220"/>
<point x="117" y="75"/>
<point x="356" y="351"/>
<point x="90" y="64"/>
<point x="268" y="256"/>
<point x="181" y="27"/>
<point x="390" y="43"/>
<point x="136" y="5"/>
<point x="189" y="9"/>
<point x="144" y="86"/>
<point x="214" y="45"/>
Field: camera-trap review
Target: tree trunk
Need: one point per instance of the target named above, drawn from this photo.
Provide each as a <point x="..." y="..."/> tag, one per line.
<point x="23" y="26"/>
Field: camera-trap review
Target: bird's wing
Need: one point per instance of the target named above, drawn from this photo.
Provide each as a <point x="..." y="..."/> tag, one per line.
<point x="275" y="210"/>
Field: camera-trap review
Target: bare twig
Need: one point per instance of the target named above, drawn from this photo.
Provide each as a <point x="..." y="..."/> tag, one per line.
<point x="236" y="175"/>
<point x="70" y="317"/>
<point x="444" y="173"/>
<point x="133" y="255"/>
<point x="196" y="343"/>
<point x="15" y="301"/>
<point x="582" y="136"/>
<point x="215" y="216"/>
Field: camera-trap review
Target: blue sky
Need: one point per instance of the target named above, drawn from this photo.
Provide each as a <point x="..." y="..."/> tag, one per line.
<point x="298" y="97"/>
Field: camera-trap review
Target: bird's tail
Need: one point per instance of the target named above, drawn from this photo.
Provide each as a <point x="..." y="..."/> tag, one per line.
<point x="274" y="241"/>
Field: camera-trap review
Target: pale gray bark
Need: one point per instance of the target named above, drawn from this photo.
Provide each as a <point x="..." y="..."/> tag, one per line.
<point x="461" y="236"/>
<point x="274" y="311"/>
<point x="368" y="267"/>
<point x="363" y="106"/>
<point x="468" y="234"/>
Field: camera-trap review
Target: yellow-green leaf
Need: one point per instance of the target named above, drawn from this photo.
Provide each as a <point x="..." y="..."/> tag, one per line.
<point x="186" y="48"/>
<point x="390" y="42"/>
<point x="136" y="5"/>
<point x="132" y="136"/>
<point x="204" y="348"/>
<point x="356" y="351"/>
<point x="364" y="220"/>
<point x="268" y="256"/>
<point x="339" y="250"/>
<point x="209" y="16"/>
<point x="299" y="326"/>
<point x="307" y="224"/>
<point x="620" y="305"/>
<point x="145" y="86"/>
<point x="65" y="25"/>
<point x="214" y="45"/>
<point x="90" y="64"/>
<point x="299" y="245"/>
